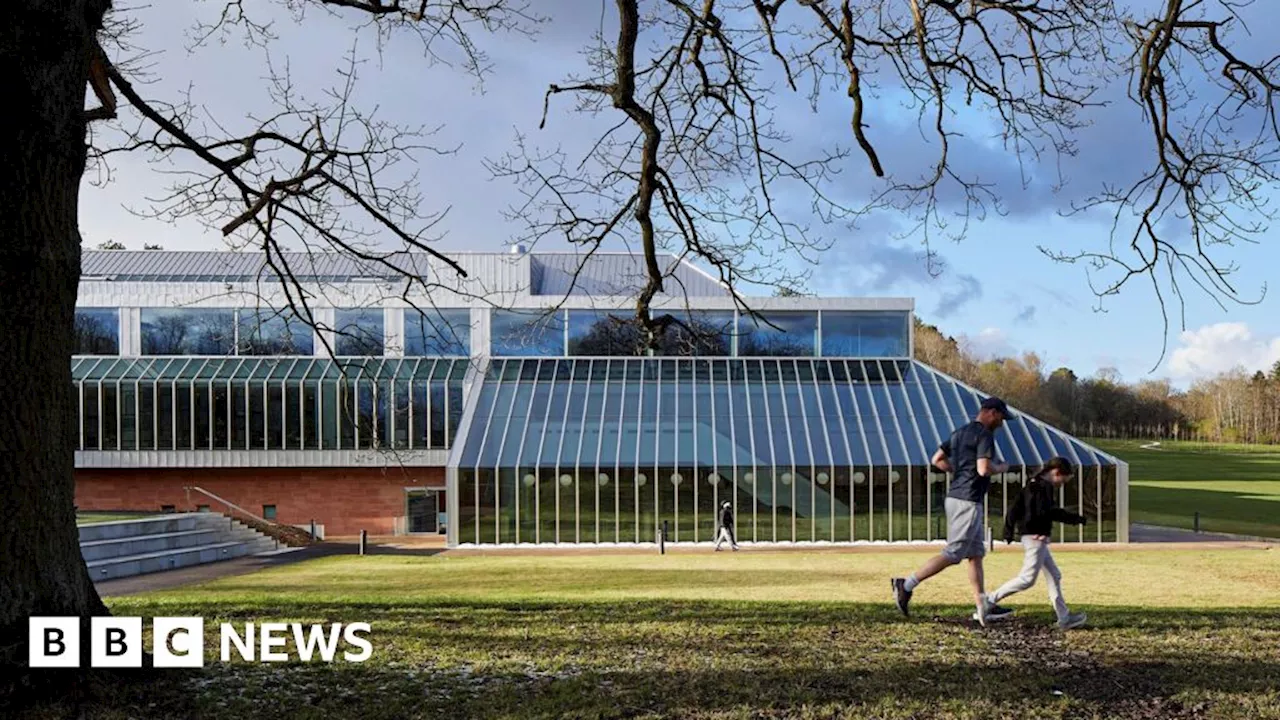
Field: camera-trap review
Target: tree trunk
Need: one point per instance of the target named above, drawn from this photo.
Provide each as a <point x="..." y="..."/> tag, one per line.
<point x="44" y="51"/>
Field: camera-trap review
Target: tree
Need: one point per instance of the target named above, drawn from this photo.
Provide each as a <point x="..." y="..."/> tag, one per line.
<point x="112" y="245"/>
<point x="698" y="159"/>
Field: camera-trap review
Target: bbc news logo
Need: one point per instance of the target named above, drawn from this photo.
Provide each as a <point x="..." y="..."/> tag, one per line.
<point x="178" y="642"/>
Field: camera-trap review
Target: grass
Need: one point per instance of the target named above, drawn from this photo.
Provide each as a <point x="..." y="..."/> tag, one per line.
<point x="753" y="634"/>
<point x="89" y="518"/>
<point x="1236" y="489"/>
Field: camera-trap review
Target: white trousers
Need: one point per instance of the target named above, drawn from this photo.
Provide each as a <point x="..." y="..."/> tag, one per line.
<point x="725" y="536"/>
<point x="1036" y="556"/>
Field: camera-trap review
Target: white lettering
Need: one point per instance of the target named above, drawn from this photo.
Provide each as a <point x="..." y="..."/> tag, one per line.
<point x="349" y="634"/>
<point x="273" y="635"/>
<point x="231" y="637"/>
<point x="316" y="638"/>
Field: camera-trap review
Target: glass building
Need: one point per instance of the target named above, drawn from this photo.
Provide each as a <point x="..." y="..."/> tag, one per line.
<point x="529" y="413"/>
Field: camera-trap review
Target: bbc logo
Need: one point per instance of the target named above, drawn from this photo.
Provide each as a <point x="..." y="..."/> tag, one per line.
<point x="115" y="642"/>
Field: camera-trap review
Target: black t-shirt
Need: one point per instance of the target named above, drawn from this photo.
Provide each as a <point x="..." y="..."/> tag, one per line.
<point x="726" y="518"/>
<point x="963" y="449"/>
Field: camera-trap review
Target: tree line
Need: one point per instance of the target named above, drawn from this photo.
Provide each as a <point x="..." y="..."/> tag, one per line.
<point x="1234" y="407"/>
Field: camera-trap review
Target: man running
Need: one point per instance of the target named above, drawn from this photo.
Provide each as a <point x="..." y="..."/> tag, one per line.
<point x="969" y="454"/>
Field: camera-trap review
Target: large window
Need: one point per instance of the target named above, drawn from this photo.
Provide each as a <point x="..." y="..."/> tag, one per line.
<point x="437" y="332"/>
<point x="274" y="332"/>
<point x="601" y="333"/>
<point x="97" y="331"/>
<point x="359" y="332"/>
<point x="188" y="331"/>
<point x="865" y="334"/>
<point x="528" y="333"/>
<point x="778" y="334"/>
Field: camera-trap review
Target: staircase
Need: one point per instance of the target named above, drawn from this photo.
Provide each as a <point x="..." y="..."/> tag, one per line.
<point x="135" y="547"/>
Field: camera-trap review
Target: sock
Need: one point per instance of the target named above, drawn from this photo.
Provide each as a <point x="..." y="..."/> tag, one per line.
<point x="911" y="583"/>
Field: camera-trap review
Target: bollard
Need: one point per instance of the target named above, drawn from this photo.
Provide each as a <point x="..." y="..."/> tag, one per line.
<point x="313" y="528"/>
<point x="364" y="539"/>
<point x="1197" y="521"/>
<point x="662" y="539"/>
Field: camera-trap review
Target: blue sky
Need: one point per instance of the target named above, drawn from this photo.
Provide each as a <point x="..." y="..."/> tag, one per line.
<point x="996" y="289"/>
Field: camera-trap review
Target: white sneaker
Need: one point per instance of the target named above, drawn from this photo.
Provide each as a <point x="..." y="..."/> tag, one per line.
<point x="1073" y="621"/>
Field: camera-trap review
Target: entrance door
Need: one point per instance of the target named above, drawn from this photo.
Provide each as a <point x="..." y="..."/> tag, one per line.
<point x="423" y="511"/>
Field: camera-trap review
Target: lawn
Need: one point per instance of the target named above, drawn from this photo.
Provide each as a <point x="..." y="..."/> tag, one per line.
<point x="1236" y="489"/>
<point x="1174" y="634"/>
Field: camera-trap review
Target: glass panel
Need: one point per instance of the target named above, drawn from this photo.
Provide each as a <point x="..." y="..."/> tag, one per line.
<point x="530" y="333"/>
<point x="221" y="416"/>
<point x="437" y="332"/>
<point x="466" y="506"/>
<point x="188" y="331"/>
<point x="184" y="419"/>
<point x="264" y="331"/>
<point x="865" y="334"/>
<point x="146" y="416"/>
<point x="128" y="416"/>
<point x="311" y="415"/>
<point x="293" y="416"/>
<point x="359" y="332"/>
<point x="778" y="334"/>
<point x="97" y="331"/>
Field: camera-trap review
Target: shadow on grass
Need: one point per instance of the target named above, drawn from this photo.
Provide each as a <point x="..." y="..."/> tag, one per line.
<point x="706" y="660"/>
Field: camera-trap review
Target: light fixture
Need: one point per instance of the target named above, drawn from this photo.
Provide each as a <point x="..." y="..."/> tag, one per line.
<point x="529" y="480"/>
<point x="786" y="478"/>
<point x="894" y="476"/>
<point x="566" y="480"/>
<point x="603" y="479"/>
<point x="823" y="478"/>
<point x="748" y="477"/>
<point x="713" y="479"/>
<point x="859" y="478"/>
<point x="676" y="478"/>
<point x="641" y="479"/>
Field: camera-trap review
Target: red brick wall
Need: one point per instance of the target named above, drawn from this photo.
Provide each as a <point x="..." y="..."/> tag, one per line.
<point x="344" y="500"/>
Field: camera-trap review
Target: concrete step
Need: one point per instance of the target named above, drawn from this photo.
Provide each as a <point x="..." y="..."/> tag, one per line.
<point x="149" y="562"/>
<point x="161" y="524"/>
<point x="158" y="542"/>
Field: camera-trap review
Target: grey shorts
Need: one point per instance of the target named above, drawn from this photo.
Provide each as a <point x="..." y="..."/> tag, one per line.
<point x="964" y="530"/>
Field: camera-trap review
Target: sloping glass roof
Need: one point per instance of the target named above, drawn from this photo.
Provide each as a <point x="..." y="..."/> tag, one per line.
<point x="642" y="412"/>
<point x="111" y="369"/>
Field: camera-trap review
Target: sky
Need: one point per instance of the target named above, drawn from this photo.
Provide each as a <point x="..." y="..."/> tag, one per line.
<point x="996" y="290"/>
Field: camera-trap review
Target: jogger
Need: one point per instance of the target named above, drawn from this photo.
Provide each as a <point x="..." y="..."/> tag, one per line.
<point x="1032" y="516"/>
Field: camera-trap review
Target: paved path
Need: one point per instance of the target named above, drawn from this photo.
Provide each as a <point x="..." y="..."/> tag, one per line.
<point x="1156" y="534"/>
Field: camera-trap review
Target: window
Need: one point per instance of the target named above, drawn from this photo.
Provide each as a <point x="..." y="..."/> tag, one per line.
<point x="778" y="334"/>
<point x="264" y="331"/>
<point x="167" y="509"/>
<point x="268" y="512"/>
<point x="97" y="331"/>
<point x="437" y="332"/>
<point x="865" y="334"/>
<point x="202" y="508"/>
<point x="359" y="332"/>
<point x="600" y="333"/>
<point x="527" y="333"/>
<point x="187" y="331"/>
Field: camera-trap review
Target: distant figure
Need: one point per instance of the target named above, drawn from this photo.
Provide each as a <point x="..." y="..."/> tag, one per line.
<point x="969" y="454"/>
<point x="1032" y="517"/>
<point x="726" y="527"/>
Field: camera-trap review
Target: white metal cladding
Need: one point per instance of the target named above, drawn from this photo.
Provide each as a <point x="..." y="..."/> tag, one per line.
<point x="791" y="440"/>
<point x="616" y="274"/>
<point x="266" y="412"/>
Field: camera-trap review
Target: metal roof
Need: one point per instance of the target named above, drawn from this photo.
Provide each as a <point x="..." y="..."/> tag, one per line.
<point x="596" y="274"/>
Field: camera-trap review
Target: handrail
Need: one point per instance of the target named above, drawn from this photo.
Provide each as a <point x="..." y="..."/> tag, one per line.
<point x="228" y="503"/>
<point x="287" y="534"/>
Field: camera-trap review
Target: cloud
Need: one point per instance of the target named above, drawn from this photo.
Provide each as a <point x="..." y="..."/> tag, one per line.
<point x="1222" y="347"/>
<point x="988" y="344"/>
<point x="965" y="289"/>
<point x="1026" y="316"/>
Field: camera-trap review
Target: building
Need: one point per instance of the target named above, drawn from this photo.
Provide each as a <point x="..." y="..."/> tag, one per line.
<point x="511" y="406"/>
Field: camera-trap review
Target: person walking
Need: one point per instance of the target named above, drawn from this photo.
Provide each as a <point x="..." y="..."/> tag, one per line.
<point x="1032" y="516"/>
<point x="726" y="527"/>
<point x="969" y="454"/>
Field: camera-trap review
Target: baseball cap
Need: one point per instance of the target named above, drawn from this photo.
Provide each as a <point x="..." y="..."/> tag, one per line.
<point x="995" y="403"/>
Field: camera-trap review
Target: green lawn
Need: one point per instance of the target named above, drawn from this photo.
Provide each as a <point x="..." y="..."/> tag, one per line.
<point x="735" y="635"/>
<point x="1236" y="489"/>
<point x="89" y="518"/>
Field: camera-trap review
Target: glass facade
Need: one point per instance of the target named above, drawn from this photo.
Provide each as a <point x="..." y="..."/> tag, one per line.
<point x="866" y="334"/>
<point x="778" y="334"/>
<point x="268" y="403"/>
<point x="188" y="331"/>
<point x="616" y="333"/>
<point x="437" y="332"/>
<point x="273" y="332"/>
<point x="526" y="333"/>
<point x="97" y="331"/>
<point x="593" y="450"/>
<point x="359" y="332"/>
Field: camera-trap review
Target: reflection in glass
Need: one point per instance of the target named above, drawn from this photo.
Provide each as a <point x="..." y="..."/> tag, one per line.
<point x="359" y="332"/>
<point x="274" y="332"/>
<point x="601" y="333"/>
<point x="188" y="331"/>
<point x="97" y="331"/>
<point x="437" y="332"/>
<point x="528" y="333"/>
<point x="778" y="334"/>
<point x="864" y="334"/>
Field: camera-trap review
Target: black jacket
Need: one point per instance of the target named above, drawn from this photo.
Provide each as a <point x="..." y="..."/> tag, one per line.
<point x="726" y="518"/>
<point x="1035" y="510"/>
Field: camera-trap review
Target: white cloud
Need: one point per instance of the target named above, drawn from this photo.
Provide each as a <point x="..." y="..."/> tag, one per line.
<point x="1214" y="349"/>
<point x="988" y="344"/>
